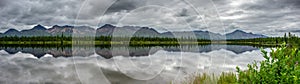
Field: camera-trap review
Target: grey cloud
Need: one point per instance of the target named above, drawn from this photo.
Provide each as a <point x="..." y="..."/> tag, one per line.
<point x="3" y="3"/>
<point x="259" y="16"/>
<point x="31" y="12"/>
<point x="191" y="19"/>
<point x="4" y="28"/>
<point x="220" y="1"/>
<point x="295" y="3"/>
<point x="272" y="5"/>
<point x="182" y="13"/>
<point x="289" y="30"/>
<point x="256" y="17"/>
<point x="45" y="10"/>
<point x="128" y="5"/>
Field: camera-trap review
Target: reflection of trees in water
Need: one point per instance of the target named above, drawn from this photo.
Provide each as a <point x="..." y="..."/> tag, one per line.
<point x="106" y="52"/>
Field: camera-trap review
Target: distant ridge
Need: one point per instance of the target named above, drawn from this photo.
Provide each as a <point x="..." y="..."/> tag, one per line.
<point x="109" y="30"/>
<point x="11" y="32"/>
<point x="239" y="34"/>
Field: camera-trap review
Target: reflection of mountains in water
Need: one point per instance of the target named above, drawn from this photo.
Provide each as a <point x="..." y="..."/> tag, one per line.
<point x="109" y="52"/>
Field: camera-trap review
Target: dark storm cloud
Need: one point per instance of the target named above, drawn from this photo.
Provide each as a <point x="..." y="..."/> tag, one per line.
<point x="295" y="3"/>
<point x="182" y="13"/>
<point x="272" y="4"/>
<point x="3" y="3"/>
<point x="128" y="5"/>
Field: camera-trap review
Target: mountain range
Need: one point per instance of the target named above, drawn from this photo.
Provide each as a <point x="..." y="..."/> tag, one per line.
<point x="111" y="30"/>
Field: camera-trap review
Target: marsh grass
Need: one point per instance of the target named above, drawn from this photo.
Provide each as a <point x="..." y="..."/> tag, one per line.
<point x="204" y="78"/>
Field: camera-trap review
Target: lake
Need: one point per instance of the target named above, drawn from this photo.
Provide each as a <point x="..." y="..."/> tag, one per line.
<point x="120" y="64"/>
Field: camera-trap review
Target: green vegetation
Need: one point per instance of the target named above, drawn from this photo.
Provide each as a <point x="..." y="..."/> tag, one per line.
<point x="224" y="78"/>
<point x="281" y="66"/>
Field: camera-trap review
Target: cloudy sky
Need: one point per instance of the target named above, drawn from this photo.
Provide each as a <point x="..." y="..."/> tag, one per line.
<point x="269" y="17"/>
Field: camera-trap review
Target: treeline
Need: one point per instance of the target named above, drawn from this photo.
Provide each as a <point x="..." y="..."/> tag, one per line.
<point x="289" y="39"/>
<point x="100" y="38"/>
<point x="61" y="40"/>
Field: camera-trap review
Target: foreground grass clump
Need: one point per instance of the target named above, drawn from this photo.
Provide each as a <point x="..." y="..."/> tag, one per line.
<point x="281" y="66"/>
<point x="224" y="78"/>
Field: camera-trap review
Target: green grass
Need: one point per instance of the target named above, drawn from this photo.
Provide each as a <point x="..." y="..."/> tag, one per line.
<point x="204" y="78"/>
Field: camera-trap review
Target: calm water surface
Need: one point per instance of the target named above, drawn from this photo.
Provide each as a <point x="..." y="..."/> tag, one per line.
<point x="119" y="64"/>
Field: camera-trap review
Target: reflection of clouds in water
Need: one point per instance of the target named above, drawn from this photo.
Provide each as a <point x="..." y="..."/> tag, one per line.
<point x="232" y="60"/>
<point x="25" y="68"/>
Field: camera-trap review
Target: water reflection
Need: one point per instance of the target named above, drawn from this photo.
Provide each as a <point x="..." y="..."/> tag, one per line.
<point x="120" y="65"/>
<point x="136" y="51"/>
